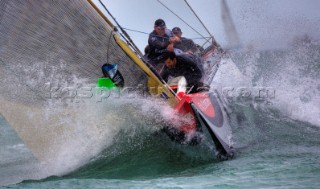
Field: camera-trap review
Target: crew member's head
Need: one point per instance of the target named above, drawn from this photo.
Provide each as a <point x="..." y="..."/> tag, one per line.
<point x="170" y="59"/>
<point x="160" y="27"/>
<point x="177" y="31"/>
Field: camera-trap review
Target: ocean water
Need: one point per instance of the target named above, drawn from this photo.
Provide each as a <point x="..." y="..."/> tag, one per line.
<point x="275" y="134"/>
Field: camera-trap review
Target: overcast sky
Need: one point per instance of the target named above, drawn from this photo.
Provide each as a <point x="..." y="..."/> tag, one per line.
<point x="264" y="24"/>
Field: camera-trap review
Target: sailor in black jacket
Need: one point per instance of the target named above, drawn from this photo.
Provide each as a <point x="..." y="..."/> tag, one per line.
<point x="160" y="41"/>
<point x="185" y="44"/>
<point x="181" y="65"/>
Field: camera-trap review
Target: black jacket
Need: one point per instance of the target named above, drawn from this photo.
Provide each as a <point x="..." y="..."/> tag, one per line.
<point x="184" y="67"/>
<point x="185" y="45"/>
<point x="157" y="46"/>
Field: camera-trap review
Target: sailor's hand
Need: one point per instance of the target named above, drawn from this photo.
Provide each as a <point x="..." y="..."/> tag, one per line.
<point x="174" y="39"/>
<point x="189" y="52"/>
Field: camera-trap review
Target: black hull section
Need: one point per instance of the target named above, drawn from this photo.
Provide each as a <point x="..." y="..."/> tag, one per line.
<point x="217" y="126"/>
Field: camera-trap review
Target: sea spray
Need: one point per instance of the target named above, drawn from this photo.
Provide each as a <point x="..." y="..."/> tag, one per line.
<point x="291" y="74"/>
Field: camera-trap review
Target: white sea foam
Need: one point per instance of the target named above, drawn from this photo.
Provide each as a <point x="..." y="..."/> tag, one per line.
<point x="292" y="76"/>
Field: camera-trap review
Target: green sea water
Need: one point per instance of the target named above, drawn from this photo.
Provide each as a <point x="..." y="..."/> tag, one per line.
<point x="271" y="153"/>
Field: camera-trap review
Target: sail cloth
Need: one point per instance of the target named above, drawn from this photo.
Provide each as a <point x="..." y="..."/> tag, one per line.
<point x="68" y="35"/>
<point x="52" y="44"/>
<point x="229" y="27"/>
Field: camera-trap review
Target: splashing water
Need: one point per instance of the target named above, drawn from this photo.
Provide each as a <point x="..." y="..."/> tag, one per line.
<point x="291" y="77"/>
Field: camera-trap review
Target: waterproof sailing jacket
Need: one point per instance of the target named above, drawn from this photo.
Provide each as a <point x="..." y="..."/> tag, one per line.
<point x="185" y="45"/>
<point x="186" y="67"/>
<point x="157" y="47"/>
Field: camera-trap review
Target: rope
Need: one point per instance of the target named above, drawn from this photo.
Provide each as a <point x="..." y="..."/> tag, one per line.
<point x="198" y="18"/>
<point x="183" y="21"/>
<point x="109" y="39"/>
<point x="127" y="37"/>
<point x="214" y="42"/>
<point x="137" y="31"/>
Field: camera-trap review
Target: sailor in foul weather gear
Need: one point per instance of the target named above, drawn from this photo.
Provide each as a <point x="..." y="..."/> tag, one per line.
<point x="160" y="41"/>
<point x="182" y="65"/>
<point x="185" y="44"/>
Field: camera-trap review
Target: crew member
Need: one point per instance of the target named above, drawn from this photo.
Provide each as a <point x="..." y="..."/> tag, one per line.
<point x="160" y="41"/>
<point x="185" y="44"/>
<point x="182" y="65"/>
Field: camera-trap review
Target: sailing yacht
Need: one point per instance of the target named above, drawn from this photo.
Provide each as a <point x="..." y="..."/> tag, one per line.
<point x="48" y="46"/>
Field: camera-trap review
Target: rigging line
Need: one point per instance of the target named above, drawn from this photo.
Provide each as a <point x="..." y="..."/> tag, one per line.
<point x="111" y="34"/>
<point x="198" y="18"/>
<point x="137" y="31"/>
<point x="213" y="39"/>
<point x="199" y="37"/>
<point x="183" y="21"/>
<point x="123" y="31"/>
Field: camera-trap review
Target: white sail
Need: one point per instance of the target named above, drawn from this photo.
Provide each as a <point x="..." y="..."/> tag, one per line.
<point x="229" y="27"/>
